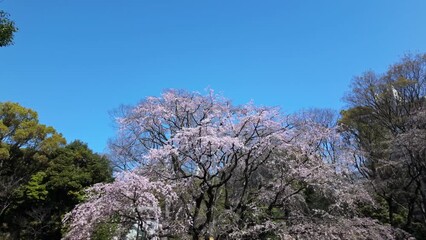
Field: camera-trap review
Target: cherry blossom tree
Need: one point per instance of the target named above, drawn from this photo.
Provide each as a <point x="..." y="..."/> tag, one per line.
<point x="131" y="199"/>
<point x="203" y="144"/>
<point x="237" y="172"/>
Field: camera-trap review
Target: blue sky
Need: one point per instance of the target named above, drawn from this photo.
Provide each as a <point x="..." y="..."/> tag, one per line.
<point x="74" y="61"/>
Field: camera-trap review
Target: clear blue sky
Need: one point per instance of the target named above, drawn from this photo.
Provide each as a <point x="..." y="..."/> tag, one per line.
<point x="75" y="60"/>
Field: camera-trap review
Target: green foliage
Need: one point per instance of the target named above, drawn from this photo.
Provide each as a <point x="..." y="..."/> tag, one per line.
<point x="21" y="131"/>
<point x="362" y="121"/>
<point x="379" y="211"/>
<point x="316" y="200"/>
<point x="35" y="189"/>
<point x="25" y="147"/>
<point x="74" y="168"/>
<point x="7" y="29"/>
<point x="105" y="231"/>
<point x="71" y="170"/>
<point x="42" y="177"/>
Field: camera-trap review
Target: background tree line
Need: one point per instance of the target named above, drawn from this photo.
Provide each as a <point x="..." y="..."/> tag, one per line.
<point x="386" y="124"/>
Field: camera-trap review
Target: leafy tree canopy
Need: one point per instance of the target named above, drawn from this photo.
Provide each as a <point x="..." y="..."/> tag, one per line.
<point x="42" y="178"/>
<point x="386" y="125"/>
<point x="7" y="29"/>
